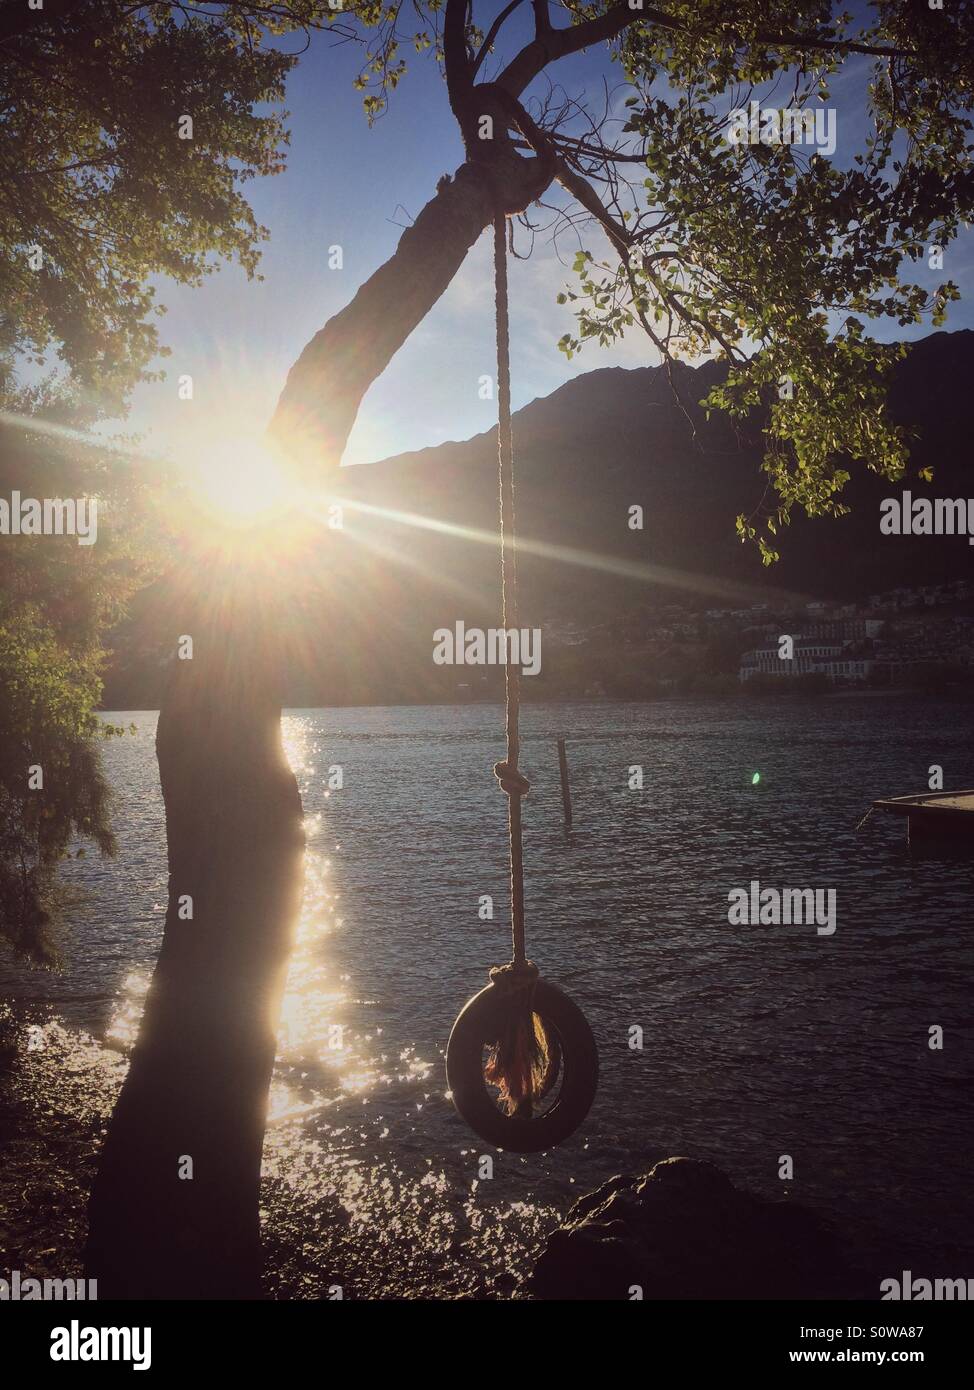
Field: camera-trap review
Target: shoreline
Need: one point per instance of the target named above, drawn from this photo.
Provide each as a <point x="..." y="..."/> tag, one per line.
<point x="54" y="1109"/>
<point x="53" y="1117"/>
<point x="960" y="695"/>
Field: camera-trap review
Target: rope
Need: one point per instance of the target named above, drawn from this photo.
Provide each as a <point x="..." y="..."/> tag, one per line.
<point x="520" y="1061"/>
<point x="513" y="782"/>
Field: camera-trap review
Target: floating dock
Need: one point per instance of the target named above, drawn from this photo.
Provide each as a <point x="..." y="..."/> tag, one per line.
<point x="935" y="817"/>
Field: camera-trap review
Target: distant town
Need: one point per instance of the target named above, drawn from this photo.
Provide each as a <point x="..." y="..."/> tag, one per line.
<point x="905" y="638"/>
<point x="664" y="644"/>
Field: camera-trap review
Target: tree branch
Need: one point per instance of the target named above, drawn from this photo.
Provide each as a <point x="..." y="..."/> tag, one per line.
<point x="559" y="43"/>
<point x="548" y="47"/>
<point x="492" y="33"/>
<point x="458" y="64"/>
<point x="583" y="192"/>
<point x="542" y="20"/>
<point x="325" y="387"/>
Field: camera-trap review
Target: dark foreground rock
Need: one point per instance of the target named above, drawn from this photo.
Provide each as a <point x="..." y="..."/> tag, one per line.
<point x="684" y="1231"/>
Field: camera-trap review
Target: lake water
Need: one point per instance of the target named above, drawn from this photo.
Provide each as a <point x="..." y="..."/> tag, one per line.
<point x="758" y="1041"/>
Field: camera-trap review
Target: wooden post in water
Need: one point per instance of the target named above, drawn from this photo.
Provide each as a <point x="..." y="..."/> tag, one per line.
<point x="566" y="795"/>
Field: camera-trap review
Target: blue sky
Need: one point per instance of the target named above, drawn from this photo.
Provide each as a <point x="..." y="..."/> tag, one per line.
<point x="346" y="184"/>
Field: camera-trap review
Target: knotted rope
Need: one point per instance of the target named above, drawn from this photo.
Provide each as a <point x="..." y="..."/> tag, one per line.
<point x="519" y="1060"/>
<point x="513" y="782"/>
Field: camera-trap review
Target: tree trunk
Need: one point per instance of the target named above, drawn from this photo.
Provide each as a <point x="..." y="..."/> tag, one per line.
<point x="200" y="1071"/>
<point x="324" y="388"/>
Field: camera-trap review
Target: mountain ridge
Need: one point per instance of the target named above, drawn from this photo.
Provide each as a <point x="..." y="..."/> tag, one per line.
<point x="691" y="497"/>
<point x="419" y="549"/>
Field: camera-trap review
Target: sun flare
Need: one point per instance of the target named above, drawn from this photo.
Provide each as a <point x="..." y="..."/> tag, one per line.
<point x="239" y="479"/>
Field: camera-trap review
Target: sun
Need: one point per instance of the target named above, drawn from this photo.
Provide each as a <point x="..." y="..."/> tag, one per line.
<point x="239" y="478"/>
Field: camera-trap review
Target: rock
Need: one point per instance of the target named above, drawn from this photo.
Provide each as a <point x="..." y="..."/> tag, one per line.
<point x="684" y="1231"/>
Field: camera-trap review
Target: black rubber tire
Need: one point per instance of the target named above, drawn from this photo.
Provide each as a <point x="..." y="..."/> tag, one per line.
<point x="555" y="1061"/>
<point x="476" y="1028"/>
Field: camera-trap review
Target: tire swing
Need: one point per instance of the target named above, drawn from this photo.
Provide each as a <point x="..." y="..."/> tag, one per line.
<point x="521" y="1062"/>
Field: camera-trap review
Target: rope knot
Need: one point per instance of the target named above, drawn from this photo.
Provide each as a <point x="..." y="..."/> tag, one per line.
<point x="515" y="975"/>
<point x="513" y="782"/>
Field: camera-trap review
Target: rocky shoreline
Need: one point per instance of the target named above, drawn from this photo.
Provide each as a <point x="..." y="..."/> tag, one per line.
<point x="681" y="1230"/>
<point x="684" y="1231"/>
<point x="54" y="1109"/>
